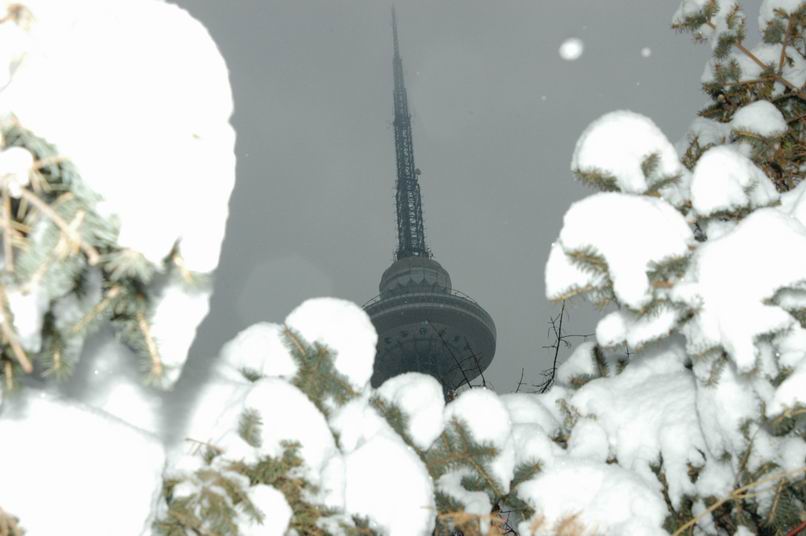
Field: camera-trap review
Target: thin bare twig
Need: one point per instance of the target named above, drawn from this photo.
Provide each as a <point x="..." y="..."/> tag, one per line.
<point x="450" y="351"/>
<point x="560" y="338"/>
<point x="520" y="382"/>
<point x="478" y="365"/>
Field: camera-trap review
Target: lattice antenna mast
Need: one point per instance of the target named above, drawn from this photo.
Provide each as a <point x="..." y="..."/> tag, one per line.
<point x="410" y="233"/>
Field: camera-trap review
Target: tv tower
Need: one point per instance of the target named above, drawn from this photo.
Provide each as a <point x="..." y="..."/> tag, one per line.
<point x="423" y="324"/>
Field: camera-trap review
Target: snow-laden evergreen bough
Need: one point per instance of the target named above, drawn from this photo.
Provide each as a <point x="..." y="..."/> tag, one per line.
<point x="686" y="414"/>
<point x="113" y="113"/>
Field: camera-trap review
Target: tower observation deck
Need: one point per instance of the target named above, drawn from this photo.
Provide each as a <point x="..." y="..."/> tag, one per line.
<point x="423" y="324"/>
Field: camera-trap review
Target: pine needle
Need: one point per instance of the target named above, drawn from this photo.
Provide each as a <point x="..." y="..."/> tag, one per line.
<point x="8" y="232"/>
<point x="96" y="311"/>
<point x="187" y="275"/>
<point x="151" y="346"/>
<point x="92" y="254"/>
<point x="10" y="336"/>
<point x="8" y="375"/>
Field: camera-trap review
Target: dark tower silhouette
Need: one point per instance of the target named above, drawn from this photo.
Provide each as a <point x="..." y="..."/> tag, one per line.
<point x="423" y="324"/>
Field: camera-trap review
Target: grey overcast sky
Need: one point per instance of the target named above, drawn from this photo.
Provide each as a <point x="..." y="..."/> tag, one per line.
<point x="496" y="113"/>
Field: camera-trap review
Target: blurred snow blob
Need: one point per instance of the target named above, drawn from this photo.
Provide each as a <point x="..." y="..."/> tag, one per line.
<point x="646" y="52"/>
<point x="571" y="49"/>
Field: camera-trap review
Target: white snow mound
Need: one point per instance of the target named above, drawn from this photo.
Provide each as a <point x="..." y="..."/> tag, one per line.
<point x="760" y="117"/>
<point x="734" y="320"/>
<point x="617" y="144"/>
<point x="406" y="505"/>
<point x="630" y="233"/>
<point x="343" y="327"/>
<point x="420" y="397"/>
<point x="91" y="470"/>
<point x="258" y="349"/>
<point x="606" y="499"/>
<point x="725" y="180"/>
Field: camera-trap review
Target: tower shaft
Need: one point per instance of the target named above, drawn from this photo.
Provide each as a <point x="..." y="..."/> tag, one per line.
<point x="410" y="233"/>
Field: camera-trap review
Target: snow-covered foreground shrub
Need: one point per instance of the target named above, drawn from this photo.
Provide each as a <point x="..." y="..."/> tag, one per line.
<point x="290" y="436"/>
<point x="616" y="447"/>
<point x="94" y="174"/>
<point x="704" y="256"/>
<point x="112" y="113"/>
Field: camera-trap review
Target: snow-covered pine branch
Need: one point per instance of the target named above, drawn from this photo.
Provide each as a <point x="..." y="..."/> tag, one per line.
<point x="104" y="262"/>
<point x="96" y="236"/>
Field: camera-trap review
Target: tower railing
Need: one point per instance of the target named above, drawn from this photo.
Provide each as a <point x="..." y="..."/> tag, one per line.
<point x="453" y="292"/>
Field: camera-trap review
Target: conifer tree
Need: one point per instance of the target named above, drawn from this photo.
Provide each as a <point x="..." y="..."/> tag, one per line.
<point x="743" y="155"/>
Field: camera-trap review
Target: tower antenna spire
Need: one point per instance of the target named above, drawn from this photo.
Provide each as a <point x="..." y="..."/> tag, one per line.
<point x="410" y="232"/>
<point x="423" y="324"/>
<point x="394" y="32"/>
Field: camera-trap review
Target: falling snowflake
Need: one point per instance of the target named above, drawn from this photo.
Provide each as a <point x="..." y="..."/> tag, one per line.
<point x="571" y="49"/>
